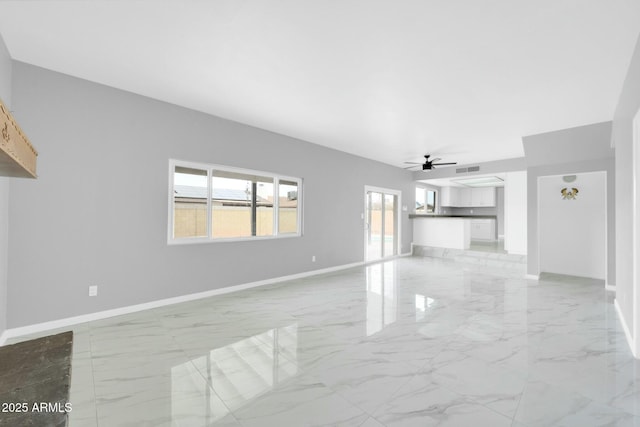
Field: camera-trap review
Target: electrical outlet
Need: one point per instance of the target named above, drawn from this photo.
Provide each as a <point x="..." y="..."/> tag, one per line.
<point x="93" y="290"/>
<point x="313" y="258"/>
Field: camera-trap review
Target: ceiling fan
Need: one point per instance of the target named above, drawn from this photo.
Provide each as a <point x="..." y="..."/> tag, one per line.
<point x="428" y="164"/>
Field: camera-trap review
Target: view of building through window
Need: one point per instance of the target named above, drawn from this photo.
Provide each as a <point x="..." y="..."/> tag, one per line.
<point x="242" y="204"/>
<point x="425" y="200"/>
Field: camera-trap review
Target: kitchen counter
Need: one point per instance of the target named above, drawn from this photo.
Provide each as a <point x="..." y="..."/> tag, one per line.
<point x="442" y="231"/>
<point x="413" y="216"/>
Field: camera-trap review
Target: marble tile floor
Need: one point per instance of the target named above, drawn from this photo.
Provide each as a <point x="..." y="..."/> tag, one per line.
<point x="410" y="342"/>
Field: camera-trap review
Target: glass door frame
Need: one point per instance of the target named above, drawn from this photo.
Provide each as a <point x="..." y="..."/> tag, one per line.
<point x="398" y="229"/>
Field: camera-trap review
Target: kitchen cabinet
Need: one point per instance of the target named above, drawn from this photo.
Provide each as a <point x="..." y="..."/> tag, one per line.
<point x="467" y="197"/>
<point x="483" y="196"/>
<point x="464" y="197"/>
<point x="483" y="229"/>
<point x="447" y="196"/>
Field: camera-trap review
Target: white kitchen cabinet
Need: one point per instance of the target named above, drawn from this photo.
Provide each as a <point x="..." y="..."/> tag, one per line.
<point x="476" y="197"/>
<point x="448" y="196"/>
<point x="483" y="229"/>
<point x="467" y="197"/>
<point x="464" y="195"/>
<point x="485" y="196"/>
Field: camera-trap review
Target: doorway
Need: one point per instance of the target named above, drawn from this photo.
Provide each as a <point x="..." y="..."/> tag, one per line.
<point x="381" y="223"/>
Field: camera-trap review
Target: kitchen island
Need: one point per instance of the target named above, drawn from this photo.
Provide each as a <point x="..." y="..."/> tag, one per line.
<point x="444" y="231"/>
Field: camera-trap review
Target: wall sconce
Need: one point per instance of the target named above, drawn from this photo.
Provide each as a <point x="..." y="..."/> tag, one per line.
<point x="566" y="193"/>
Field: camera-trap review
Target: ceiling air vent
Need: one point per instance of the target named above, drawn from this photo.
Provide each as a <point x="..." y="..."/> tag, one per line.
<point x="461" y="170"/>
<point x="473" y="169"/>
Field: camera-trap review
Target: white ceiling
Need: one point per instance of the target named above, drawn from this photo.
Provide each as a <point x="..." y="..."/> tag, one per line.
<point x="388" y="80"/>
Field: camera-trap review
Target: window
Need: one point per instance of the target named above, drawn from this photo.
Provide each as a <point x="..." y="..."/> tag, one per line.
<point x="431" y="201"/>
<point x="211" y="202"/>
<point x="425" y="200"/>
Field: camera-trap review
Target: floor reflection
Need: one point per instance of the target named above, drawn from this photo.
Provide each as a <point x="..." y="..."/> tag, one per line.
<point x="382" y="296"/>
<point x="238" y="372"/>
<point x="423" y="304"/>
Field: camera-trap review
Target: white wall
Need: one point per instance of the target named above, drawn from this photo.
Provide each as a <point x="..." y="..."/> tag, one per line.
<point x="572" y="233"/>
<point x="515" y="212"/>
<point x="5" y="95"/>
<point x="627" y="290"/>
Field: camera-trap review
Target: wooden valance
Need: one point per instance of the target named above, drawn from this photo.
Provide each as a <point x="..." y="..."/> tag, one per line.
<point x="17" y="155"/>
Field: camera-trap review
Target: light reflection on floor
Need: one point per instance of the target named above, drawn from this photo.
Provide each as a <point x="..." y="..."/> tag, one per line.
<point x="382" y="296"/>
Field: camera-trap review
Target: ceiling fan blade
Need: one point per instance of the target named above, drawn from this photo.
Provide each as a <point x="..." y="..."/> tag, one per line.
<point x="411" y="163"/>
<point x="436" y="159"/>
<point x="414" y="166"/>
<point x="442" y="164"/>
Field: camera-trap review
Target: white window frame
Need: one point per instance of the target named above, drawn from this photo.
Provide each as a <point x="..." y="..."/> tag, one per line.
<point x="436" y="198"/>
<point x="173" y="163"/>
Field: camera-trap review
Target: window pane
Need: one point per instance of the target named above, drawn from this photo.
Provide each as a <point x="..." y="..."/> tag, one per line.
<point x="219" y="202"/>
<point x="264" y="208"/>
<point x="420" y="200"/>
<point x="189" y="202"/>
<point x="431" y="201"/>
<point x="389" y="225"/>
<point x="288" y="209"/>
<point x="241" y="205"/>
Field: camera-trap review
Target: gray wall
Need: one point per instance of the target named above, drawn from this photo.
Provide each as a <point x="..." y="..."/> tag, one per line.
<point x="594" y="139"/>
<point x="98" y="212"/>
<point x="628" y="105"/>
<point x="5" y="95"/>
<point x="569" y="145"/>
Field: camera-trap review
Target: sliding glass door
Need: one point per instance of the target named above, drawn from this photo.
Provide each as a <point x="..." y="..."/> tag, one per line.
<point x="381" y="223"/>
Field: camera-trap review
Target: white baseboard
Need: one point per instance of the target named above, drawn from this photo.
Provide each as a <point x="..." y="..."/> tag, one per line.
<point x="627" y="331"/>
<point x="3" y="337"/>
<point x="69" y="321"/>
<point x="532" y="277"/>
